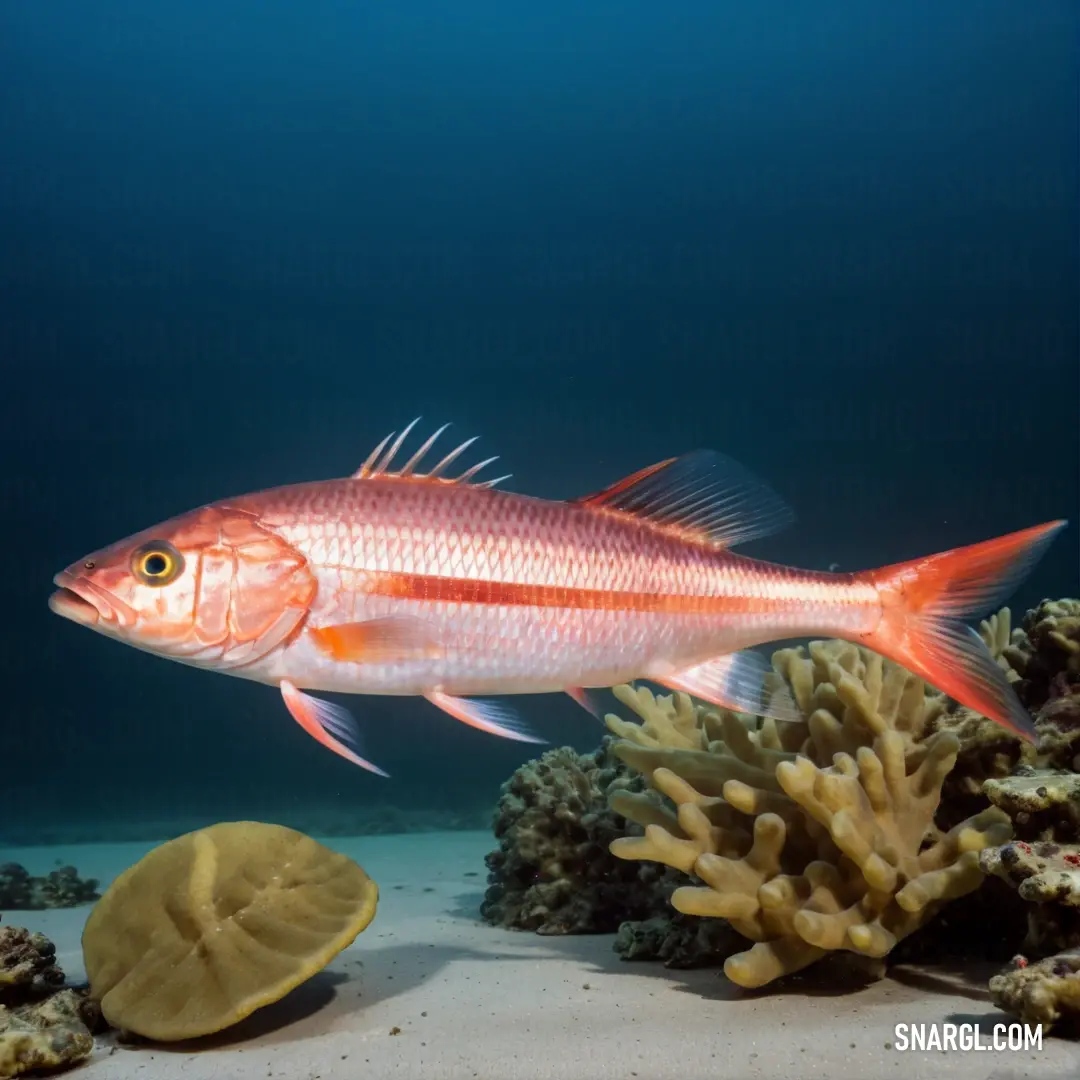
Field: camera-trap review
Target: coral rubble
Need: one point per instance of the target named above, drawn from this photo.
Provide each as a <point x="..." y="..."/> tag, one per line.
<point x="43" y="1025"/>
<point x="553" y="871"/>
<point x="47" y="1035"/>
<point x="680" y="941"/>
<point x="27" y="965"/>
<point x="60" y="888"/>
<point x="1048" y="875"/>
<point x="1046" y="992"/>
<point x="1043" y="861"/>
<point x="1044" y="804"/>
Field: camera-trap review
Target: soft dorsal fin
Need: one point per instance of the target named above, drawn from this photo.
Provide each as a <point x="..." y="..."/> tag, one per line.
<point x="702" y="494"/>
<point x="382" y="457"/>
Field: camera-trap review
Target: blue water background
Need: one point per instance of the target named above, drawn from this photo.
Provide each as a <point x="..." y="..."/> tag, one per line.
<point x="241" y="242"/>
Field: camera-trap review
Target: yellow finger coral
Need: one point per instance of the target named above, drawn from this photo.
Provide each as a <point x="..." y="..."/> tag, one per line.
<point x="807" y="837"/>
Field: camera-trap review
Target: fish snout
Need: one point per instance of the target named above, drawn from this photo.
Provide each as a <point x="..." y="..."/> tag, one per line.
<point x="83" y="602"/>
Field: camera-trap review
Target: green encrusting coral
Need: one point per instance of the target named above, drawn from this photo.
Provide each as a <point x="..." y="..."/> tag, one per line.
<point x="552" y="871"/>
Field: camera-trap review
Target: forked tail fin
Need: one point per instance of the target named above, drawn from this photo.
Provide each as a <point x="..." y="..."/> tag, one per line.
<point x="925" y="604"/>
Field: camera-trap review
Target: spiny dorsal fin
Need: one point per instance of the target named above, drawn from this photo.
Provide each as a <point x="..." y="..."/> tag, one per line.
<point x="382" y="457"/>
<point x="702" y="495"/>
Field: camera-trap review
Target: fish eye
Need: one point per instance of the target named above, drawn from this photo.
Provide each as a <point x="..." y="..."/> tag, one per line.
<point x="157" y="563"/>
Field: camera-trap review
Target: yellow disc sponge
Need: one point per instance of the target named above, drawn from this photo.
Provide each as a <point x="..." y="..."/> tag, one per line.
<point x="217" y="923"/>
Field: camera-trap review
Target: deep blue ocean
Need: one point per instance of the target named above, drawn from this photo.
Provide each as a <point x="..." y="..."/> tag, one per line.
<point x="240" y="243"/>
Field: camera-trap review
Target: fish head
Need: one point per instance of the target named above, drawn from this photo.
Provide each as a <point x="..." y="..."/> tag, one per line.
<point x="212" y="587"/>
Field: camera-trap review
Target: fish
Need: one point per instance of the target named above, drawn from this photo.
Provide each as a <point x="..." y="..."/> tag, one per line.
<point x="438" y="584"/>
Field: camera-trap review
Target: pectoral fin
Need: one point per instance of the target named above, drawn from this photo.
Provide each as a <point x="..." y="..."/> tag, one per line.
<point x="395" y="639"/>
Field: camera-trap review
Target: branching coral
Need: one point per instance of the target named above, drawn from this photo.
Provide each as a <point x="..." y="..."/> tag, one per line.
<point x="901" y="813"/>
<point x="808" y="837"/>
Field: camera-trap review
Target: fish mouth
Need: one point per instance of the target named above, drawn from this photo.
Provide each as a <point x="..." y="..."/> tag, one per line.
<point x="68" y="603"/>
<point x="83" y="602"/>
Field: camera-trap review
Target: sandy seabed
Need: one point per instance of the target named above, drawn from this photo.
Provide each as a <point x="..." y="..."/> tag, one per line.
<point x="429" y="990"/>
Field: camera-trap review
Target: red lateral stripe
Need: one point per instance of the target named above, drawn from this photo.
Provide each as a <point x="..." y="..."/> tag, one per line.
<point x="506" y="593"/>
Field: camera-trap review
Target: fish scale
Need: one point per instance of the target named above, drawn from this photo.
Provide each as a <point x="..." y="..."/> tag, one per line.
<point x="478" y="536"/>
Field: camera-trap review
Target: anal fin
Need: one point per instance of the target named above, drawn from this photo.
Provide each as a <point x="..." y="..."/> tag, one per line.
<point x="587" y="701"/>
<point x="736" y="681"/>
